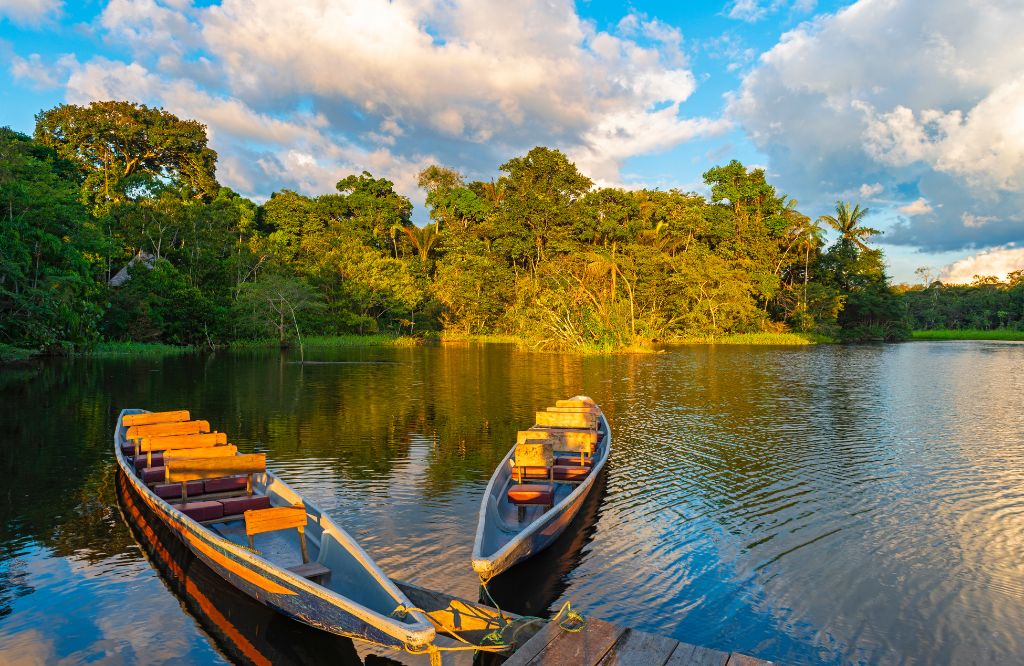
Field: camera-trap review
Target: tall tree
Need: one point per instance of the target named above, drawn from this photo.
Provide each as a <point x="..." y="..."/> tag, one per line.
<point x="125" y="150"/>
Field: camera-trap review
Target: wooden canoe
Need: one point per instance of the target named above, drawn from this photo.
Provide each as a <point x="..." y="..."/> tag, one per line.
<point x="502" y="538"/>
<point x="340" y="589"/>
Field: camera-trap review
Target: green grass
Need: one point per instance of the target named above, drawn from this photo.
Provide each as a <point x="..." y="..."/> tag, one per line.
<point x="783" y="339"/>
<point x="135" y="349"/>
<point x="12" y="354"/>
<point x="447" y="336"/>
<point x="334" y="341"/>
<point x="969" y="334"/>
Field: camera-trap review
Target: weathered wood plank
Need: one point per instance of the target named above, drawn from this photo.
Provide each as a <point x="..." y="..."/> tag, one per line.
<point x="195" y="441"/>
<point x="582" y="647"/>
<point x="534" y="646"/>
<point x="179" y="428"/>
<point x="636" y="648"/>
<point x="258" y="521"/>
<point x="559" y="420"/>
<point x="693" y="655"/>
<point x="212" y="468"/>
<point x="204" y="452"/>
<point x="154" y="417"/>
<point x="736" y="659"/>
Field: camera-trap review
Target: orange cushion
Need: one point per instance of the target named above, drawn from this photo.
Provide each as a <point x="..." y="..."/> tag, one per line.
<point x="530" y="493"/>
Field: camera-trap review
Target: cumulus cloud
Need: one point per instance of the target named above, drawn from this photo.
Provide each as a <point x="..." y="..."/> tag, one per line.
<point x="390" y="87"/>
<point x="997" y="262"/>
<point x="868" y="191"/>
<point x="33" y="13"/>
<point x="906" y="94"/>
<point x="918" y="207"/>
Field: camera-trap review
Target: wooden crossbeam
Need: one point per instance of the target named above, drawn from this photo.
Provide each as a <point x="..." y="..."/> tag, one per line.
<point x="151" y="418"/>
<point x="562" y="420"/>
<point x="258" y="521"/>
<point x="194" y="441"/>
<point x="179" y="471"/>
<point x="171" y="455"/>
<point x="178" y="428"/>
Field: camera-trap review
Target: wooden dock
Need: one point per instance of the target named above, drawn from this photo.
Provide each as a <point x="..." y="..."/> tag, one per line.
<point x="599" y="643"/>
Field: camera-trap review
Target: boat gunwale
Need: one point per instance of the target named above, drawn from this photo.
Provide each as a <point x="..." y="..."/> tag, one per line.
<point x="412" y="634"/>
<point x="498" y="556"/>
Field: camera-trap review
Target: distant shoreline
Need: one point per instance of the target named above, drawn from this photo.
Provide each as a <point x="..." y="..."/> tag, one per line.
<point x="968" y="334"/>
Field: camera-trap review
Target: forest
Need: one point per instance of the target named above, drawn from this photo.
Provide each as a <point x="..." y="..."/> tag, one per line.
<point x="116" y="229"/>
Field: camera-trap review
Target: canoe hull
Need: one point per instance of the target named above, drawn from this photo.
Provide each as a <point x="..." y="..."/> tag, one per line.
<point x="290" y="595"/>
<point x="543" y="531"/>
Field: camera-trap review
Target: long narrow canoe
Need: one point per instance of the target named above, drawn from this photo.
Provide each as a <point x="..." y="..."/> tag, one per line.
<point x="304" y="566"/>
<point x="509" y="532"/>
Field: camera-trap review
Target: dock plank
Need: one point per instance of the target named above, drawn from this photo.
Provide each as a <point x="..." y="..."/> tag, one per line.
<point x="533" y="647"/>
<point x="693" y="655"/>
<point x="587" y="646"/>
<point x="639" y="647"/>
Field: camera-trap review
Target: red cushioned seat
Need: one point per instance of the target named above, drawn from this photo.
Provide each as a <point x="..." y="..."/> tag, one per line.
<point x="236" y="505"/>
<point x="561" y="472"/>
<point x="201" y="510"/>
<point x="173" y="490"/>
<point x="140" y="461"/>
<point x="573" y="460"/>
<point x="153" y="474"/>
<point x="571" y="472"/>
<point x="530" y="493"/>
<point x="226" y="484"/>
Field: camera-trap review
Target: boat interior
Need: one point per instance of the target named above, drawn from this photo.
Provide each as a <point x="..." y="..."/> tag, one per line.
<point x="204" y="477"/>
<point x="549" y="461"/>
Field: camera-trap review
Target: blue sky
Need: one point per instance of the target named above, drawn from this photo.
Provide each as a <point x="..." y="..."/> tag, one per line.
<point x="903" y="106"/>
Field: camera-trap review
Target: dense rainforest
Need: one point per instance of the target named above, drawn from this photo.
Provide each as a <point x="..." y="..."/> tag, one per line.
<point x="114" y="227"/>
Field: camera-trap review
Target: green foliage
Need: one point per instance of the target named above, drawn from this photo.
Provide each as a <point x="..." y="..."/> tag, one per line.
<point x="47" y="249"/>
<point x="538" y="254"/>
<point x="127" y="151"/>
<point x="970" y="334"/>
<point x="987" y="305"/>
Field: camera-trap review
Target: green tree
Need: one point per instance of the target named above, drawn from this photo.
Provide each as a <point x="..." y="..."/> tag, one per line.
<point x="126" y="150"/>
<point x="48" y="292"/>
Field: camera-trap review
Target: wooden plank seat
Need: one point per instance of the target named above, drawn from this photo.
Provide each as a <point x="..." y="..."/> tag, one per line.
<point x="208" y="469"/>
<point x="150" y="418"/>
<point x="578" y="401"/>
<point x="164" y="442"/>
<point x="585" y="421"/>
<point x="159" y="429"/>
<point x="535" y="455"/>
<point x="531" y="493"/>
<point x="259" y="521"/>
<point x="571" y="447"/>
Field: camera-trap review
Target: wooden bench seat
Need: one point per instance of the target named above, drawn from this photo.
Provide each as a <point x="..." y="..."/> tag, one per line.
<point x="310" y="570"/>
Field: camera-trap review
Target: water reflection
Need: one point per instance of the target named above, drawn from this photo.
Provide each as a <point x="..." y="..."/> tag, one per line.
<point x="827" y="505"/>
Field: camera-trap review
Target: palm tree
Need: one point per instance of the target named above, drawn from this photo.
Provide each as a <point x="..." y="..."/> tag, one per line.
<point x="422" y="238"/>
<point x="811" y="237"/>
<point x="847" y="223"/>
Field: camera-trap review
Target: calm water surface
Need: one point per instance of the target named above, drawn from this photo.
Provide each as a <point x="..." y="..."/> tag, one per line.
<point x="827" y="505"/>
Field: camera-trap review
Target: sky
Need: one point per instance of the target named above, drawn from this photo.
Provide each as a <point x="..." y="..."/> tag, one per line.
<point x="912" y="108"/>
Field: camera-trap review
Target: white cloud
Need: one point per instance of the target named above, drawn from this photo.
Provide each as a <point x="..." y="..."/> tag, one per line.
<point x="998" y="262"/>
<point x="296" y="93"/>
<point x="907" y="94"/>
<point x="42" y="75"/>
<point x="30" y="12"/>
<point x="918" y="207"/>
<point x="867" y="191"/>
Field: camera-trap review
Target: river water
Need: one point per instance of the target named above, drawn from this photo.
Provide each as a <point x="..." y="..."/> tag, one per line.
<point x="832" y="504"/>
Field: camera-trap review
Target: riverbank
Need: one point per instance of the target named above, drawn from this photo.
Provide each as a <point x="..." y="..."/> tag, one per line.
<point x="969" y="334"/>
<point x="762" y="339"/>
